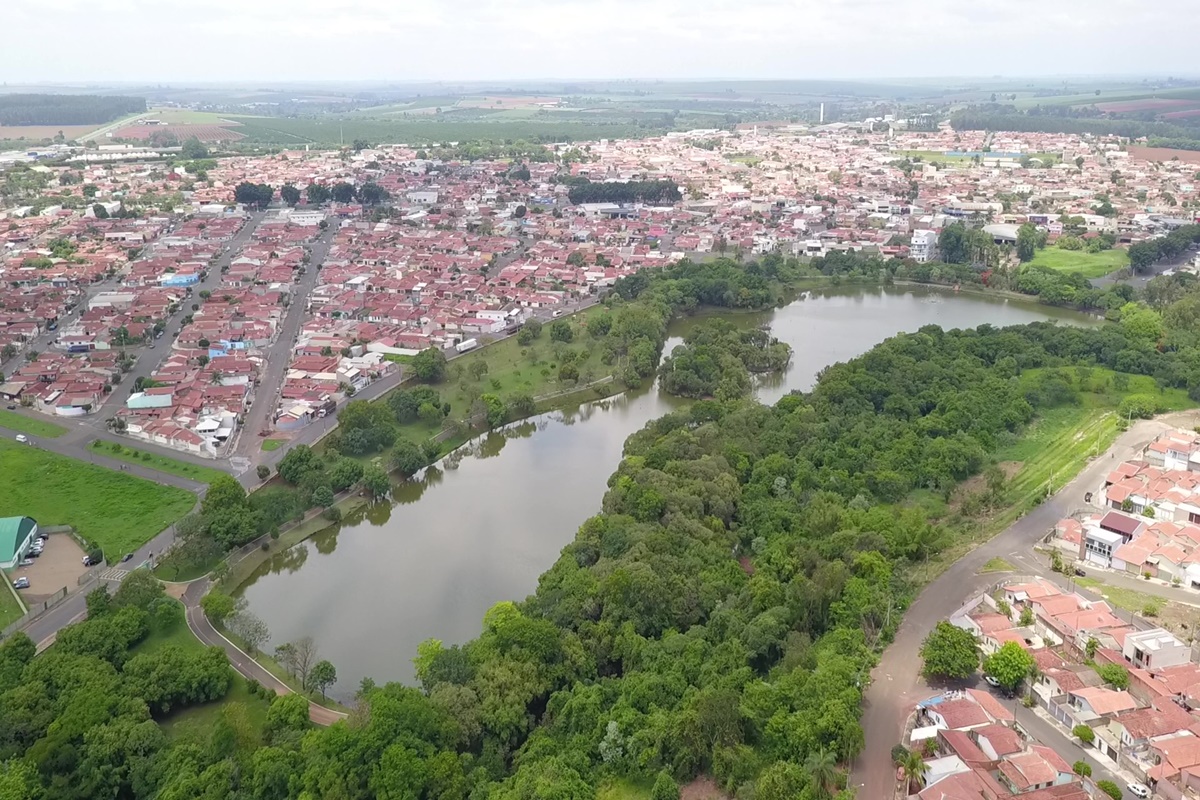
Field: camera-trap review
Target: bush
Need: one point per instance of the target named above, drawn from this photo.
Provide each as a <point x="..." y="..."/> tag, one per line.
<point x="1084" y="734"/>
<point x="263" y="471"/>
<point x="333" y="514"/>
<point x="1110" y="789"/>
<point x="1082" y="769"/>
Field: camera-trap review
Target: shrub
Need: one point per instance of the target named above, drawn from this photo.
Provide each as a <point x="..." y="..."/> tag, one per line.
<point x="1082" y="769"/>
<point x="263" y="471"/>
<point x="1110" y="789"/>
<point x="1084" y="734"/>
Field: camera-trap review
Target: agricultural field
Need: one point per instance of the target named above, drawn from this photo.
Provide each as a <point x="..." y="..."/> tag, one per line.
<point x="1092" y="265"/>
<point x="1162" y="154"/>
<point x="334" y="130"/>
<point x="114" y="510"/>
<point x="206" y="133"/>
<point x="36" y="133"/>
<point x="1108" y="96"/>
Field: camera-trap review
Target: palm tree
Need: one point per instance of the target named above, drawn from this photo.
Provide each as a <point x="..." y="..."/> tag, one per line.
<point x="822" y="766"/>
<point x="915" y="770"/>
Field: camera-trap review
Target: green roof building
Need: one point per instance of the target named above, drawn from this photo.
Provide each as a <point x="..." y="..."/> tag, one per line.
<point x="16" y="535"/>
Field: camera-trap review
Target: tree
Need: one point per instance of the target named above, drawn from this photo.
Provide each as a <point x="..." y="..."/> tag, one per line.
<point x="519" y="212"/>
<point x="375" y="482"/>
<point x="322" y="676"/>
<point x="407" y="458"/>
<point x="305" y="650"/>
<point x="289" y="194"/>
<point x="950" y="652"/>
<point x="915" y="770"/>
<point x="1084" y="734"/>
<point x="1027" y="239"/>
<point x="218" y="606"/>
<point x="1009" y="665"/>
<point x="665" y="787"/>
<point x="139" y="589"/>
<point x="193" y="149"/>
<point x="821" y="765"/>
<point x="1093" y="644"/>
<point x="1026" y="617"/>
<point x="223" y="493"/>
<point x="323" y="496"/>
<point x="99" y="211"/>
<point x="560" y="331"/>
<point x="317" y="194"/>
<point x="372" y="194"/>
<point x="342" y="192"/>
<point x="297" y="463"/>
<point x="1114" y="675"/>
<point x="522" y="405"/>
<point x="254" y="194"/>
<point x="252" y="630"/>
<point x="429" y="365"/>
<point x="98" y="602"/>
<point x="1110" y="789"/>
<point x="263" y="472"/>
<point x="1082" y="769"/>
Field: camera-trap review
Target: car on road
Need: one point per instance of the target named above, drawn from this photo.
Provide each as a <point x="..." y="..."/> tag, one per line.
<point x="21" y="583"/>
<point x="11" y="407"/>
<point x="1138" y="790"/>
<point x="995" y="684"/>
<point x="1080" y="572"/>
<point x="126" y="557"/>
<point x="22" y="438"/>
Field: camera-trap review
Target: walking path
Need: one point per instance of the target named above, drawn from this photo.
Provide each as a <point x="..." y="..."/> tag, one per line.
<point x="246" y="666"/>
<point x="897" y="684"/>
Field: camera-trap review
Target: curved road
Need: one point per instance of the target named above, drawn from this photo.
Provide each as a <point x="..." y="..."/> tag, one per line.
<point x="896" y="683"/>
<point x="246" y="666"/>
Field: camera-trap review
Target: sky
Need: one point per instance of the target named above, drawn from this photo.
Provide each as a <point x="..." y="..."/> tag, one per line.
<point x="250" y="41"/>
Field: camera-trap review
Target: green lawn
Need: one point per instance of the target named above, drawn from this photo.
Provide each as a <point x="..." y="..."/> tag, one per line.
<point x="997" y="565"/>
<point x="143" y="458"/>
<point x="1092" y="265"/>
<point x="115" y="510"/>
<point x="929" y="156"/>
<point x="10" y="608"/>
<point x="1061" y="440"/>
<point x="30" y="425"/>
<point x="271" y="444"/>
<point x="197" y="721"/>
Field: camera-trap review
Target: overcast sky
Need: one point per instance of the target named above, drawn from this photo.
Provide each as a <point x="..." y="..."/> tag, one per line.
<point x="251" y="41"/>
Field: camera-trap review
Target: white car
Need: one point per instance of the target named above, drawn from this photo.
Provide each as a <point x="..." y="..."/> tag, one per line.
<point x="21" y="583"/>
<point x="1138" y="789"/>
<point x="22" y="438"/>
<point x="995" y="684"/>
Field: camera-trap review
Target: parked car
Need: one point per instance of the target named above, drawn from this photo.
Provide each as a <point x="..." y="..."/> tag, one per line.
<point x="22" y="438"/>
<point x="87" y="561"/>
<point x="21" y="583"/>
<point x="26" y="562"/>
<point x="995" y="684"/>
<point x="11" y="407"/>
<point x="33" y="553"/>
<point x="1079" y="571"/>
<point x="1138" y="790"/>
<point x="43" y="536"/>
<point x="126" y="557"/>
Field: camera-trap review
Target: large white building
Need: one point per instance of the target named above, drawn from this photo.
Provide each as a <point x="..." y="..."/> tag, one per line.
<point x="924" y="246"/>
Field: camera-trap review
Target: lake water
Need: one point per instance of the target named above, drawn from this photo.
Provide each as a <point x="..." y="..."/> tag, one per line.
<point x="433" y="561"/>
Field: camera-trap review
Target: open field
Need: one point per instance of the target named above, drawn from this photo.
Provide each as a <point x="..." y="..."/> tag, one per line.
<point x="30" y="425"/>
<point x="10" y="608"/>
<point x="1092" y="265"/>
<point x="116" y="511"/>
<point x="933" y="155"/>
<point x="205" y="133"/>
<point x="1164" y="154"/>
<point x="1107" y="96"/>
<point x="183" y="116"/>
<point x="1062" y="439"/>
<point x="334" y="130"/>
<point x="143" y="458"/>
<point x="39" y="132"/>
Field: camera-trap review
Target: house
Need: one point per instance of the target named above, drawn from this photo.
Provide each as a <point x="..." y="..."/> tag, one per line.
<point x="1155" y="649"/>
<point x="16" y="537"/>
<point x="1038" y="768"/>
<point x="1096" y="702"/>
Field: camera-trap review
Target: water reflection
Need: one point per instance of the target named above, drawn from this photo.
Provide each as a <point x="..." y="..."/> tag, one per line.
<point x="493" y="517"/>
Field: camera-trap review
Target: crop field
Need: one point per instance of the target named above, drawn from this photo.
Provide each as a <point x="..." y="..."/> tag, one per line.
<point x="1108" y="96"/>
<point x="1145" y="104"/>
<point x="423" y="130"/>
<point x="1164" y="154"/>
<point x="39" y="132"/>
<point x="1092" y="265"/>
<point x="115" y="510"/>
<point x="205" y="133"/>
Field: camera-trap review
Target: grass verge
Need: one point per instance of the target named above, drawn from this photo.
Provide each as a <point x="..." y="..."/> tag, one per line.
<point x="30" y="425"/>
<point x="154" y="461"/>
<point x="997" y="565"/>
<point x="11" y="606"/>
<point x="271" y="444"/>
<point x="1092" y="265"/>
<point x="113" y="510"/>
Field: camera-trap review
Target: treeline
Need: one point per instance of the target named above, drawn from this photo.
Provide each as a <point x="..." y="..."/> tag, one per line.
<point x="717" y="360"/>
<point x="66" y="109"/>
<point x="1144" y="255"/>
<point x="625" y="192"/>
<point x="977" y="120"/>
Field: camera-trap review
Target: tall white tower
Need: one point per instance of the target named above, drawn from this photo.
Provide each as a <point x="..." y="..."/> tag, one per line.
<point x="822" y="113"/>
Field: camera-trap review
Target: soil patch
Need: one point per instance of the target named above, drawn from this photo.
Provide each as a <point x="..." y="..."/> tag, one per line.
<point x="59" y="565"/>
<point x="977" y="484"/>
<point x="1164" y="154"/>
<point x="703" y="788"/>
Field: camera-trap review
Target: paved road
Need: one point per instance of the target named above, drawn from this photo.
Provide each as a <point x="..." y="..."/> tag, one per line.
<point x="246" y="666"/>
<point x="279" y="353"/>
<point x="896" y="683"/>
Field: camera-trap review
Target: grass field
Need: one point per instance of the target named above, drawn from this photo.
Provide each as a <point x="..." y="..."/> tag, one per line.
<point x="1061" y="440"/>
<point x="929" y="156"/>
<point x="143" y="458"/>
<point x="1092" y="265"/>
<point x="183" y="116"/>
<point x="1111" y="95"/>
<point x="333" y="130"/>
<point x="114" y="510"/>
<point x="997" y="565"/>
<point x="10" y="607"/>
<point x="31" y="425"/>
<point x="271" y="444"/>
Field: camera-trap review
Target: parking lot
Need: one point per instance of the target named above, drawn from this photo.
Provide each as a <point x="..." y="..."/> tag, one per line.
<point x="59" y="565"/>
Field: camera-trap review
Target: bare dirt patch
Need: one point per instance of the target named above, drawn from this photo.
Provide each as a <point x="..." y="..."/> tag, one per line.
<point x="59" y="565"/>
<point x="977" y="484"/>
<point x="36" y="132"/>
<point x="1164" y="154"/>
<point x="703" y="788"/>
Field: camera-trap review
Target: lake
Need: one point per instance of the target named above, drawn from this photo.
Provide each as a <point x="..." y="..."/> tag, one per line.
<point x="430" y="563"/>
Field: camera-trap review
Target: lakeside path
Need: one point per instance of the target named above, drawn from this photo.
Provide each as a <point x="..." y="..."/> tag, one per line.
<point x="246" y="666"/>
<point x="896" y="683"/>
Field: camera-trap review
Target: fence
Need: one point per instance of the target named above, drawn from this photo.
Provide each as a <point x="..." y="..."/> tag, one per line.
<point x="34" y="611"/>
